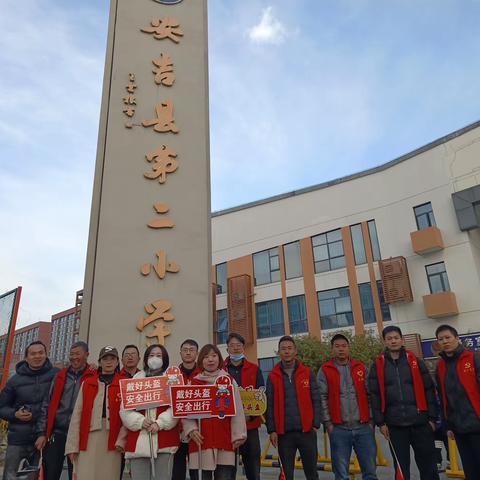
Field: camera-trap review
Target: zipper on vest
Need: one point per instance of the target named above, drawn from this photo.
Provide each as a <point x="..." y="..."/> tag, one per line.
<point x="399" y="387"/>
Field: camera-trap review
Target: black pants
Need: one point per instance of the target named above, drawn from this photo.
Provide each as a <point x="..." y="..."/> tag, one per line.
<point x="179" y="471"/>
<point x="469" y="448"/>
<point x="250" y="452"/>
<point x="421" y="439"/>
<point x="54" y="457"/>
<point x="222" y="472"/>
<point x="306" y="444"/>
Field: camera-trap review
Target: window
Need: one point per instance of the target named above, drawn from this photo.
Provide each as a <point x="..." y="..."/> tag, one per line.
<point x="372" y="230"/>
<point x="266" y="266"/>
<point x="221" y="273"/>
<point x="328" y="251"/>
<point x="384" y="306"/>
<point x="293" y="262"/>
<point x="424" y="216"/>
<point x="358" y="244"/>
<point x="270" y="319"/>
<point x="297" y="314"/>
<point x="335" y="308"/>
<point x="366" y="299"/>
<point x="222" y="326"/>
<point x="266" y="365"/>
<point x="437" y="278"/>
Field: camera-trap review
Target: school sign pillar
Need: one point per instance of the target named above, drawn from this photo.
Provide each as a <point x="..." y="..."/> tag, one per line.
<point x="148" y="266"/>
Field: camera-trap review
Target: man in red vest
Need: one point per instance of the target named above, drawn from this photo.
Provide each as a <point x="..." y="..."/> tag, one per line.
<point x="293" y="410"/>
<point x="57" y="408"/>
<point x="404" y="406"/>
<point x="189" y="369"/>
<point x="458" y="380"/>
<point x="246" y="374"/>
<point x="130" y="360"/>
<point x="346" y="411"/>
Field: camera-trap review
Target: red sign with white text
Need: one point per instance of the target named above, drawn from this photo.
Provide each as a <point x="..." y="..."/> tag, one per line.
<point x="204" y="401"/>
<point x="149" y="392"/>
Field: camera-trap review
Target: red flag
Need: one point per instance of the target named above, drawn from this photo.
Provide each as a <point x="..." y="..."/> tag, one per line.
<point x="398" y="470"/>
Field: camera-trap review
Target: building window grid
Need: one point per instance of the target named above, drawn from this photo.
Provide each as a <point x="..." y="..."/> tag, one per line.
<point x="335" y="308"/>
<point x="372" y="230"/>
<point x="270" y="319"/>
<point x="266" y="366"/>
<point x="358" y="244"/>
<point x="221" y="330"/>
<point x="297" y="314"/>
<point x="266" y="266"/>
<point x="424" y="216"/>
<point x="328" y="253"/>
<point x="437" y="277"/>
<point x="221" y="277"/>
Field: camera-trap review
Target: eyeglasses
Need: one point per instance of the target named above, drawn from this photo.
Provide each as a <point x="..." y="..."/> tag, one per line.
<point x="235" y="345"/>
<point x="130" y="355"/>
<point x="189" y="350"/>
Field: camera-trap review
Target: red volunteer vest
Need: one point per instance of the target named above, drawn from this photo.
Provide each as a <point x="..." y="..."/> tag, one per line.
<point x="358" y="372"/>
<point x="187" y="379"/>
<point x="304" y="398"/>
<point x="249" y="379"/>
<point x="467" y="376"/>
<point x="60" y="380"/>
<point x="124" y="374"/>
<point x="216" y="432"/>
<point x="418" y="385"/>
<point x="166" y="438"/>
<point x="90" y="391"/>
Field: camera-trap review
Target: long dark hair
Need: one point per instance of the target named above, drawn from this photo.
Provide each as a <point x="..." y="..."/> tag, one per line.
<point x="165" y="358"/>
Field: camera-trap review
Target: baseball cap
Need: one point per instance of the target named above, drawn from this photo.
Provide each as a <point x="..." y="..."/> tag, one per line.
<point x="108" y="351"/>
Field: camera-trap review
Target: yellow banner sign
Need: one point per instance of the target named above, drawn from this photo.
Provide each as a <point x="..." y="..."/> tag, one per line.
<point x="254" y="401"/>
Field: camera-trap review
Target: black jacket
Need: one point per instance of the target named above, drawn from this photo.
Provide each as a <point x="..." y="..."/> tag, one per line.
<point x="400" y="404"/>
<point x="65" y="407"/>
<point x="461" y="416"/>
<point x="26" y="388"/>
<point x="293" y="421"/>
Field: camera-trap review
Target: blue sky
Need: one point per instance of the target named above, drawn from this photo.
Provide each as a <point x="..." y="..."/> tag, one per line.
<point x="300" y="92"/>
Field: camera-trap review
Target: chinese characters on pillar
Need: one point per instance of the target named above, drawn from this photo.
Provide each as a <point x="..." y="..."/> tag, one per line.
<point x="158" y="315"/>
<point x="130" y="100"/>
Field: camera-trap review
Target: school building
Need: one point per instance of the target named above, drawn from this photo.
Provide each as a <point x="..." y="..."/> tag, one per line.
<point x="396" y="244"/>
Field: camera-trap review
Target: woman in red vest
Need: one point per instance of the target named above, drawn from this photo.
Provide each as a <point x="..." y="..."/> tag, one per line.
<point x="219" y="437"/>
<point x="458" y="380"/>
<point x="95" y="423"/>
<point x="153" y="432"/>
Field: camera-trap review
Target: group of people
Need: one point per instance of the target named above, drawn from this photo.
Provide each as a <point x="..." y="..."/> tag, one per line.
<point x="77" y="411"/>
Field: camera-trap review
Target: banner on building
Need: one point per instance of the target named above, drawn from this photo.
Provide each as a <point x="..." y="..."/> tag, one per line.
<point x="9" y="303"/>
<point x="431" y="347"/>
<point x="204" y="401"/>
<point x="149" y="392"/>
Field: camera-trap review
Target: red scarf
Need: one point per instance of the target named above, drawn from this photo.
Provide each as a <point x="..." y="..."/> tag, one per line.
<point x="418" y="385"/>
<point x="90" y="391"/>
<point x="304" y="398"/>
<point x="467" y="376"/>
<point x="166" y="438"/>
<point x="248" y="379"/>
<point x="59" y="385"/>
<point x="358" y="372"/>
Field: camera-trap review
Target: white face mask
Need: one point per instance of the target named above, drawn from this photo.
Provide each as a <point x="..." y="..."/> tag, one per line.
<point x="155" y="363"/>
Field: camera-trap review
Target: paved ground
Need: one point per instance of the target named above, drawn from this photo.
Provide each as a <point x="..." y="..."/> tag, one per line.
<point x="384" y="473"/>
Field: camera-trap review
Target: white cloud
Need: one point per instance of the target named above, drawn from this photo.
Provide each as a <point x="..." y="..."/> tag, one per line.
<point x="268" y="30"/>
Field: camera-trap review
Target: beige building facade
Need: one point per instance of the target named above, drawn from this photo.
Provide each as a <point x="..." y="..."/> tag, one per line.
<point x="310" y="261"/>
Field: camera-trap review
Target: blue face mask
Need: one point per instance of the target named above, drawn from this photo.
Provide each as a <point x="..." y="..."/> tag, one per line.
<point x="237" y="358"/>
